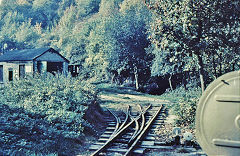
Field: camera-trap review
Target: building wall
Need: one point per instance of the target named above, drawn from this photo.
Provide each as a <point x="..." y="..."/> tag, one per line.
<point x="14" y="66"/>
<point x="43" y="67"/>
<point x="31" y="67"/>
<point x="51" y="57"/>
<point x="65" y="68"/>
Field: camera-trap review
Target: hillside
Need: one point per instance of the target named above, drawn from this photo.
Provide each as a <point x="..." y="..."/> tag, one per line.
<point x="170" y="48"/>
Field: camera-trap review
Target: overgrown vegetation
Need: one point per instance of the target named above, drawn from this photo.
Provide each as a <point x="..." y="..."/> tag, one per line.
<point x="122" y="40"/>
<point x="183" y="104"/>
<point x="142" y="43"/>
<point x="197" y="36"/>
<point x="44" y="114"/>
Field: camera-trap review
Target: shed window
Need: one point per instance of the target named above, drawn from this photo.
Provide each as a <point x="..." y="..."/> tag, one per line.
<point x="1" y="73"/>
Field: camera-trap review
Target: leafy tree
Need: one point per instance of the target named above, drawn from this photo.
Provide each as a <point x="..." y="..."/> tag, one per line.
<point x="27" y="35"/>
<point x="118" y="42"/>
<point x="9" y="4"/>
<point x="108" y="7"/>
<point x="63" y="5"/>
<point x="133" y="37"/>
<point x="101" y="48"/>
<point x="62" y="33"/>
<point x="186" y="31"/>
<point x="45" y="12"/>
<point x="21" y="24"/>
<point x="71" y="35"/>
<point x="17" y="34"/>
<point x="87" y="7"/>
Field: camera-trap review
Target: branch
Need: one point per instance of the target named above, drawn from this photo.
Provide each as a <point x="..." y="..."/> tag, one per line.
<point x="190" y="31"/>
<point x="225" y="40"/>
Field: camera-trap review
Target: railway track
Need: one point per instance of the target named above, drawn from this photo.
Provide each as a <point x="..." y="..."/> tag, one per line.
<point x="131" y="134"/>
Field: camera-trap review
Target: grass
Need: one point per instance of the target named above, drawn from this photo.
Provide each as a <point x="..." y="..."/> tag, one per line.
<point x="118" y="97"/>
<point x="106" y="88"/>
<point x="115" y="90"/>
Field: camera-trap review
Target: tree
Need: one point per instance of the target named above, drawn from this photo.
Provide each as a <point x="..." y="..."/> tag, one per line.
<point x="116" y="43"/>
<point x="132" y="36"/>
<point x="45" y="12"/>
<point x="108" y="7"/>
<point x="193" y="30"/>
<point x="62" y="33"/>
<point x="21" y="24"/>
<point x="87" y="7"/>
<point x="101" y="49"/>
<point x="16" y="33"/>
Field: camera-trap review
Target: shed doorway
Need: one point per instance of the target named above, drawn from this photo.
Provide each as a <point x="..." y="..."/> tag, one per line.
<point x="54" y="67"/>
<point x="1" y="73"/>
<point x="21" y="71"/>
<point x="10" y="74"/>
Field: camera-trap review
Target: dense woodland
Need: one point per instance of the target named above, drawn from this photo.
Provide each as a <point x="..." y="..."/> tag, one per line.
<point x="149" y="44"/>
<point x="133" y="40"/>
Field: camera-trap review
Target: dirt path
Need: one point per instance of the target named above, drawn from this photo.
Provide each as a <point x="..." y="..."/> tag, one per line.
<point x="118" y="101"/>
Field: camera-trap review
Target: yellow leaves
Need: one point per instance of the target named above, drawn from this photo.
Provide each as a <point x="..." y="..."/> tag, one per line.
<point x="130" y="4"/>
<point x="21" y="2"/>
<point x="39" y="3"/>
<point x="38" y="28"/>
<point x="171" y="59"/>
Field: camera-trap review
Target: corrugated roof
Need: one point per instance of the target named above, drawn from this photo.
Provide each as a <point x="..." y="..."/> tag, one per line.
<point x="22" y="55"/>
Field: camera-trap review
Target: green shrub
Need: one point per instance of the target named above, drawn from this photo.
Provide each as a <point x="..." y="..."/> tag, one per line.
<point x="184" y="104"/>
<point x="43" y="113"/>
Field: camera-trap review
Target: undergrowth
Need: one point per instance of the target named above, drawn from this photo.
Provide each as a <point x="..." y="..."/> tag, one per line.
<point x="44" y="115"/>
<point x="183" y="104"/>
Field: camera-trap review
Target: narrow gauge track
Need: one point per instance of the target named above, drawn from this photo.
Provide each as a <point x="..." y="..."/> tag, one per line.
<point x="125" y="135"/>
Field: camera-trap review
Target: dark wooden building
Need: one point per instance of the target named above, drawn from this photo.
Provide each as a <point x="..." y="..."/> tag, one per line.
<point x="15" y="64"/>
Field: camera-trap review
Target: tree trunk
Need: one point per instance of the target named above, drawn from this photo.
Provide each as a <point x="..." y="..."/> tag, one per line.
<point x="184" y="80"/>
<point x="200" y="61"/>
<point x="233" y="67"/>
<point x="220" y="65"/>
<point x="112" y="78"/>
<point x="202" y="82"/>
<point x="170" y="82"/>
<point x="214" y="67"/>
<point x="201" y="72"/>
<point x="136" y="78"/>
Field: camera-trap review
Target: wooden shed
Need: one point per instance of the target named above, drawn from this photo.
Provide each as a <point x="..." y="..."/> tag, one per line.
<point x="16" y="64"/>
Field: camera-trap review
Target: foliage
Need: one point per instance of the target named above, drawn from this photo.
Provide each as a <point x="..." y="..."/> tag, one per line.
<point x="101" y="48"/>
<point x="195" y="36"/>
<point x="24" y="133"/>
<point x="120" y="42"/>
<point x="100" y="35"/>
<point x="184" y="104"/>
<point x="17" y="34"/>
<point x="48" y="108"/>
<point x="109" y="7"/>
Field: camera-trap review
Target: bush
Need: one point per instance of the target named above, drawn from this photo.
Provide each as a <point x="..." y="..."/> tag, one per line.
<point x="184" y="104"/>
<point x="43" y="111"/>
